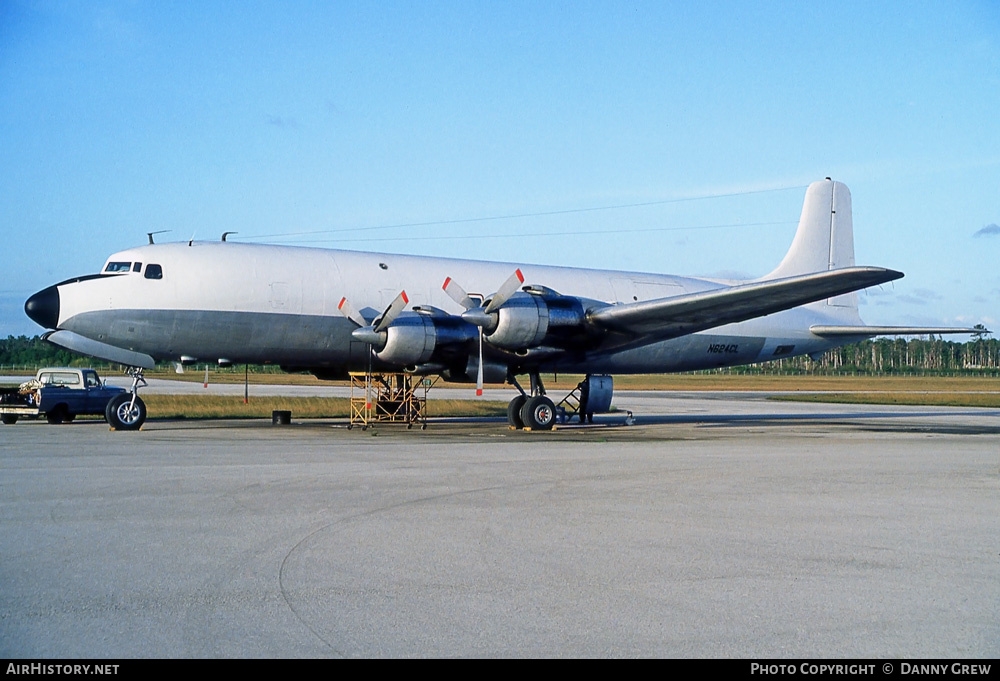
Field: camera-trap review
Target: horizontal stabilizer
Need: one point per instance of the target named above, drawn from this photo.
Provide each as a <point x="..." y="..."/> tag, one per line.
<point x="679" y="315"/>
<point x="872" y="331"/>
<point x="110" y="353"/>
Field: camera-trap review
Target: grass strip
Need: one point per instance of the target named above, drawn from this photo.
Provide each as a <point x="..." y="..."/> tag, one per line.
<point x="928" y="399"/>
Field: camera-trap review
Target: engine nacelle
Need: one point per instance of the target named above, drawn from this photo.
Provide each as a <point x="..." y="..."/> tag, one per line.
<point x="522" y="322"/>
<point x="412" y="338"/>
<point x="408" y="340"/>
<point x="527" y="319"/>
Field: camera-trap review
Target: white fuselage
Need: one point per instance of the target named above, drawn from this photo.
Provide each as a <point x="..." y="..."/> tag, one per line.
<point x="275" y="304"/>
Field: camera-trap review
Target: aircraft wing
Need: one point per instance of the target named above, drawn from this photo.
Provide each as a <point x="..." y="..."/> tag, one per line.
<point x="665" y="318"/>
<point x="872" y="331"/>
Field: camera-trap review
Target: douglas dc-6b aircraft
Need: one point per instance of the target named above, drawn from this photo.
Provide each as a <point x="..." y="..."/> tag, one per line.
<point x="330" y="312"/>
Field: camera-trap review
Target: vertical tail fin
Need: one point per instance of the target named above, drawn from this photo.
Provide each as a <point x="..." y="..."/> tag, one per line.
<point x="825" y="237"/>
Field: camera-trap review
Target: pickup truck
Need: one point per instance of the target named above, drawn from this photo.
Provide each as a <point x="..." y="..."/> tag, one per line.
<point x="60" y="394"/>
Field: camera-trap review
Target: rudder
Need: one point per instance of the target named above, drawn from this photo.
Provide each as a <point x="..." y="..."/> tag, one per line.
<point x="824" y="239"/>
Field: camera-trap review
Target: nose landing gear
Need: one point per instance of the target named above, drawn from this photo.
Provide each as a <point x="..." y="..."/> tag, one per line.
<point x="127" y="411"/>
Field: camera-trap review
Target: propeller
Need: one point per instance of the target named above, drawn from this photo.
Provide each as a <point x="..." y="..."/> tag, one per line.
<point x="481" y="314"/>
<point x="372" y="333"/>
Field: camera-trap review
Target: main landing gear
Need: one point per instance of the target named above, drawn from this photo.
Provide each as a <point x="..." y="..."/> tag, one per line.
<point x="531" y="412"/>
<point x="127" y="411"/>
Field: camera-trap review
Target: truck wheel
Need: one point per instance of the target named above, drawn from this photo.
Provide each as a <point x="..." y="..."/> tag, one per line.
<point x="122" y="416"/>
<point x="57" y="415"/>
<point x="9" y="419"/>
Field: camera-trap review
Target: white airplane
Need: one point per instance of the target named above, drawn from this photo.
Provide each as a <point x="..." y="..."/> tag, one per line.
<point x="330" y="312"/>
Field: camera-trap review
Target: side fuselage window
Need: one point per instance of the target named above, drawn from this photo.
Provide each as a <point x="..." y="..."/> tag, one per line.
<point x="153" y="272"/>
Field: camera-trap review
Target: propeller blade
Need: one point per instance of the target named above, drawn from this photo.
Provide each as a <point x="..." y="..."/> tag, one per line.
<point x="458" y="294"/>
<point x="348" y="311"/>
<point x="508" y="289"/>
<point x="479" y="374"/>
<point x="391" y="312"/>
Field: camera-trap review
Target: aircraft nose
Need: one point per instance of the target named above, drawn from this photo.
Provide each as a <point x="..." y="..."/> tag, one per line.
<point x="43" y="307"/>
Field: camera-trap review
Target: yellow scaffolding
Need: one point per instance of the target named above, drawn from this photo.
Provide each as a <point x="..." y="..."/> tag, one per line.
<point x="387" y="398"/>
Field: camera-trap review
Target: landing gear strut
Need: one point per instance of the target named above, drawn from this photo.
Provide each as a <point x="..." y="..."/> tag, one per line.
<point x="531" y="412"/>
<point x="127" y="411"/>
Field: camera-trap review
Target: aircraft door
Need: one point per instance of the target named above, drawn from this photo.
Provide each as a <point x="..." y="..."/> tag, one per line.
<point x="285" y="296"/>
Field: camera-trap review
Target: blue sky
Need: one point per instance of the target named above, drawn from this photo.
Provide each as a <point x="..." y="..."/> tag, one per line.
<point x="693" y="128"/>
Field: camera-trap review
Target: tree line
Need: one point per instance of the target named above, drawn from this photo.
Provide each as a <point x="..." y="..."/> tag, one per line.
<point x="22" y="351"/>
<point x="879" y="356"/>
<point x="896" y="356"/>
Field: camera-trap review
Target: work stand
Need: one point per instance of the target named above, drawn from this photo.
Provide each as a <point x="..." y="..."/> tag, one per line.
<point x="388" y="398"/>
<point x="570" y="405"/>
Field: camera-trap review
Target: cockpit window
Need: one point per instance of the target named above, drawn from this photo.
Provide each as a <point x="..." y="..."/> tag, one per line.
<point x="137" y="266"/>
<point x="118" y="267"/>
<point x="153" y="272"/>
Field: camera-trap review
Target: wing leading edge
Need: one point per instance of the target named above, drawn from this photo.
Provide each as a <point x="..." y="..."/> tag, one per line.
<point x="666" y="318"/>
<point x="872" y="331"/>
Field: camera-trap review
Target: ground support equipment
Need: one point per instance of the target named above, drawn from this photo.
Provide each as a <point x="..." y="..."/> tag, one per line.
<point x="388" y="398"/>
